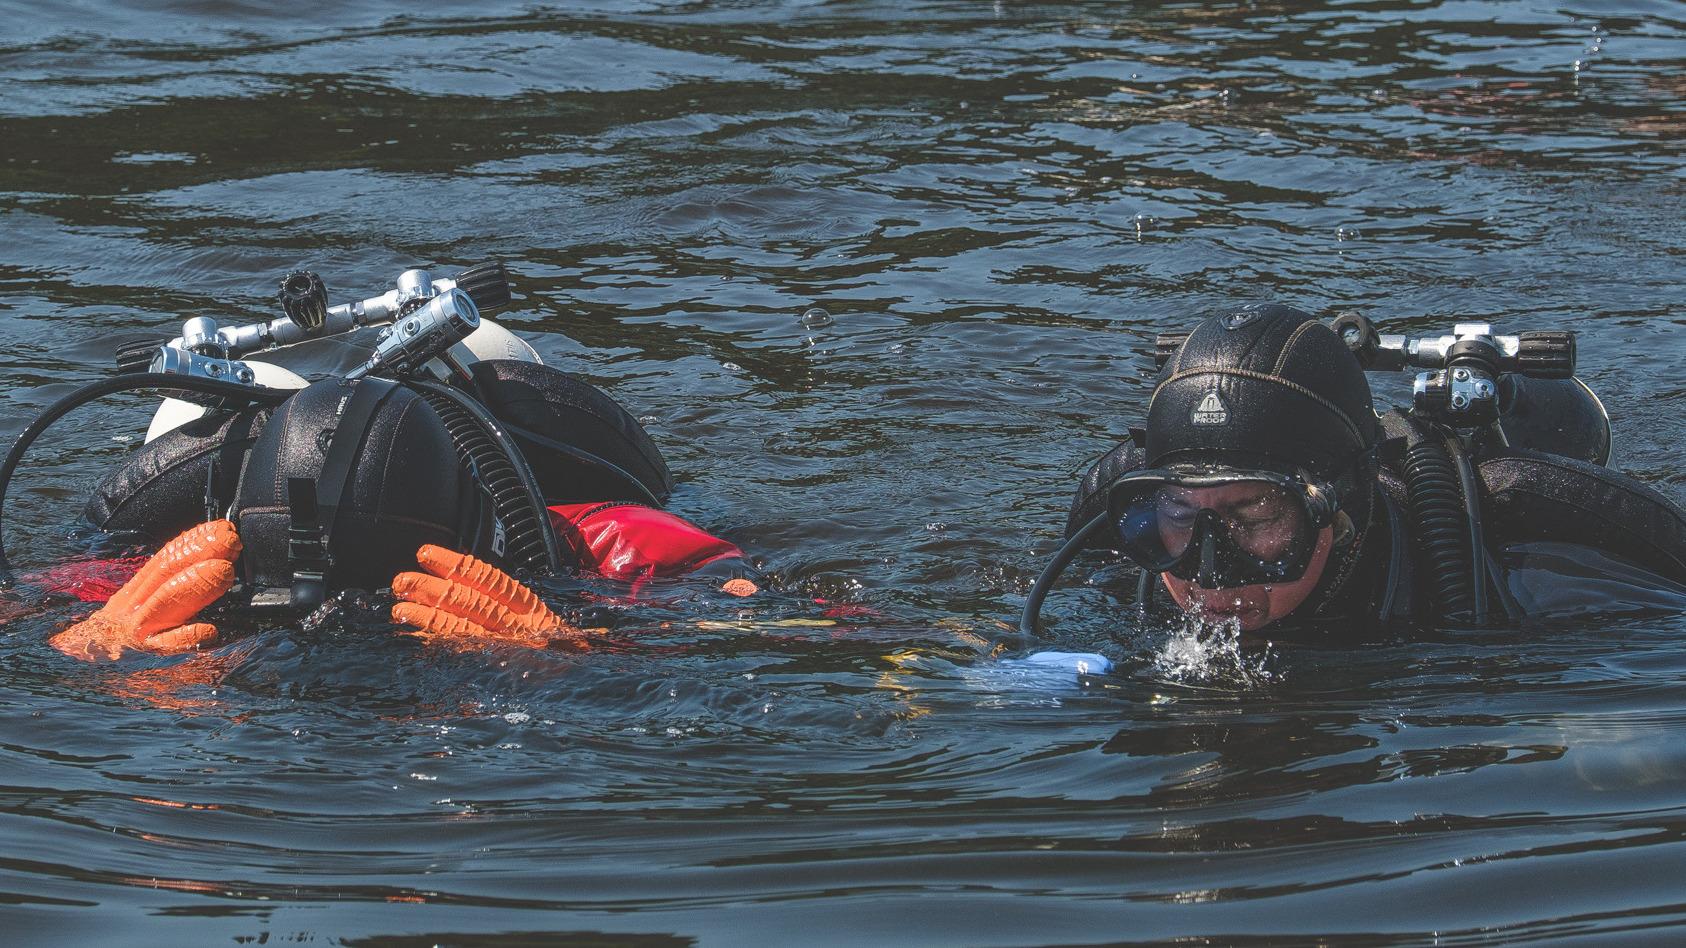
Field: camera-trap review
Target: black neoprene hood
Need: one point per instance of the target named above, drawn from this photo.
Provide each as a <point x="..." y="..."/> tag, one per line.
<point x="1263" y="386"/>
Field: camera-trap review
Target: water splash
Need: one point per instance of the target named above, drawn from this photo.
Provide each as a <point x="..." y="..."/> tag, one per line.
<point x="1212" y="652"/>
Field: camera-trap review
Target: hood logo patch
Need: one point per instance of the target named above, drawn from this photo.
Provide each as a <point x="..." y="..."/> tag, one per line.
<point x="1210" y="411"/>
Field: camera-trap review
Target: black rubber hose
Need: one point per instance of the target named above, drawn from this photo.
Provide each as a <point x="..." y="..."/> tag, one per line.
<point x="97" y="390"/>
<point x="1469" y="487"/>
<point x="515" y="492"/>
<point x="1028" y="631"/>
<point x="585" y="457"/>
<point x="1438" y="520"/>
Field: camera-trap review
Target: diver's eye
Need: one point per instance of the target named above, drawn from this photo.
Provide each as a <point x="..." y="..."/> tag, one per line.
<point x="1179" y="515"/>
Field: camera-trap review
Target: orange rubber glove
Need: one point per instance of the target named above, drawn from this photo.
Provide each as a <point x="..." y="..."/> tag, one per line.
<point x="467" y="603"/>
<point x="147" y="614"/>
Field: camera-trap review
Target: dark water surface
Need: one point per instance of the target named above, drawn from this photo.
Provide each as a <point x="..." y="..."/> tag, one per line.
<point x="999" y="205"/>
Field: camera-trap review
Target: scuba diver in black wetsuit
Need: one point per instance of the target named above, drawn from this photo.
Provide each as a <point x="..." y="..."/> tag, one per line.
<point x="1266" y="490"/>
<point x="452" y="448"/>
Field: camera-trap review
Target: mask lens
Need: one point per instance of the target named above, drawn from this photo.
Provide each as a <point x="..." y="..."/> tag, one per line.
<point x="1263" y="530"/>
<point x="1268" y="524"/>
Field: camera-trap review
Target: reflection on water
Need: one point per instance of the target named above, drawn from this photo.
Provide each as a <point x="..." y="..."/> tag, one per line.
<point x="995" y="207"/>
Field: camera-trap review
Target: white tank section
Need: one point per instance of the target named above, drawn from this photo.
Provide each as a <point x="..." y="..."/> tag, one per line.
<point x="174" y="412"/>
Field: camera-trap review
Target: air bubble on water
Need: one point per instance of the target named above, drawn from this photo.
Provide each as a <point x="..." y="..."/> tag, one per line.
<point x="815" y="317"/>
<point x="936" y="526"/>
<point x="1347" y="233"/>
<point x="647" y="419"/>
<point x="517" y="717"/>
<point x="1070" y="190"/>
<point x="896" y="347"/>
<point x="1223" y="98"/>
<point x="1578" y="65"/>
<point x="731" y="366"/>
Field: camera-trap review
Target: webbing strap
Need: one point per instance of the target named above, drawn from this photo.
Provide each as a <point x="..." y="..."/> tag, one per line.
<point x="315" y="502"/>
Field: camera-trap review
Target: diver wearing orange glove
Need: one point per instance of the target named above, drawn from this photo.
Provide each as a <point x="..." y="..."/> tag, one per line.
<point x="350" y="482"/>
<point x="456" y="600"/>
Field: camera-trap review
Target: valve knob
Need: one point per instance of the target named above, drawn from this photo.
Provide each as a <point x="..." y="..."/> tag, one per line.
<point x="1360" y="337"/>
<point x="304" y="299"/>
<point x="1165" y="346"/>
<point x="487" y="284"/>
<point x="136" y="356"/>
<point x="1548" y="354"/>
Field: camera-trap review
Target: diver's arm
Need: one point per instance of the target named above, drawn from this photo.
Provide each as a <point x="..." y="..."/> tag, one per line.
<point x="151" y="612"/>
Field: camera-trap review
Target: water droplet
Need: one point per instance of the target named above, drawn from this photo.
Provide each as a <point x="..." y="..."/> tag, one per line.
<point x="814" y="317"/>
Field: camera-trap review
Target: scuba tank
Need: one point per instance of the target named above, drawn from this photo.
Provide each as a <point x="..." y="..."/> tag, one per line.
<point x="453" y="432"/>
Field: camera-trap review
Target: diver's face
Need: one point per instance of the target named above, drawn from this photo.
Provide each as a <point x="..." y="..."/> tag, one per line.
<point x="1259" y="522"/>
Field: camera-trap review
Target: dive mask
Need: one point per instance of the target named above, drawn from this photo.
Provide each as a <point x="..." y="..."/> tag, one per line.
<point x="1221" y="527"/>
